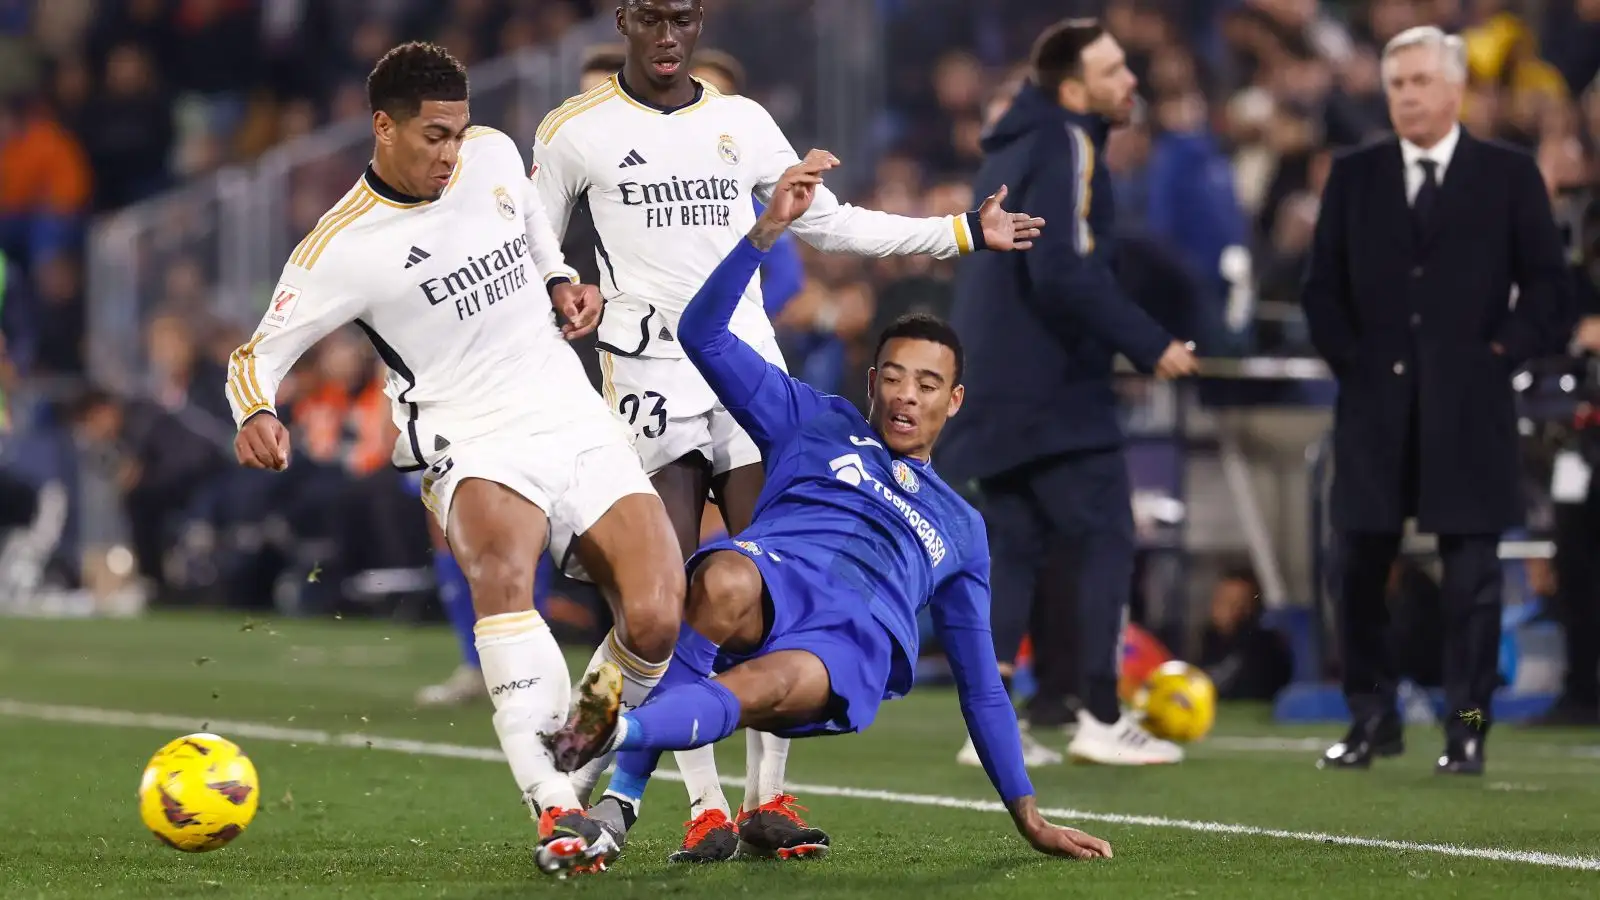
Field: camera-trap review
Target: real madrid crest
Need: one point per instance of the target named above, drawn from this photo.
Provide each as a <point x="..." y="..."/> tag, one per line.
<point x="728" y="150"/>
<point x="905" y="476"/>
<point x="502" y="202"/>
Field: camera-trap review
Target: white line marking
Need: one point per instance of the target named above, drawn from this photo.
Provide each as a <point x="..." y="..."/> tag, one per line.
<point x="86" y="715"/>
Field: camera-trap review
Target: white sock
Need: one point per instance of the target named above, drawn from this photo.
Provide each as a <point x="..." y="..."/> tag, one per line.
<point x="639" y="678"/>
<point x="754" y="742"/>
<point x="774" y="765"/>
<point x="529" y="685"/>
<point x="699" y="770"/>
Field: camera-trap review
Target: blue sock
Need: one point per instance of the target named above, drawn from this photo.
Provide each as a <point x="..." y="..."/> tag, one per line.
<point x="457" y="600"/>
<point x="691" y="665"/>
<point x="682" y="718"/>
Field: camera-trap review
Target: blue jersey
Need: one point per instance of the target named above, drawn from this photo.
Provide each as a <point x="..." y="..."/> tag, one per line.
<point x="885" y="523"/>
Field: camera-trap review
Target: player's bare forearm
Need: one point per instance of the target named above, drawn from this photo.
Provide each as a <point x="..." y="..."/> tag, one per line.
<point x="1025" y="814"/>
<point x="766" y="233"/>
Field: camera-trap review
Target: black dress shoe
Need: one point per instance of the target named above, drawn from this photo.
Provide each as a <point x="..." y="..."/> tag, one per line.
<point x="1462" y="756"/>
<point x="1366" y="739"/>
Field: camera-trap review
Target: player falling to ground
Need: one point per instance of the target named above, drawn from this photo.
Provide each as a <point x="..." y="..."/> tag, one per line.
<point x="809" y="618"/>
<point x="443" y="255"/>
<point x="669" y="165"/>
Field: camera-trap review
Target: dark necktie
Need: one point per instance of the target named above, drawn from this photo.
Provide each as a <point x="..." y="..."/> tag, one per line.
<point x="1427" y="198"/>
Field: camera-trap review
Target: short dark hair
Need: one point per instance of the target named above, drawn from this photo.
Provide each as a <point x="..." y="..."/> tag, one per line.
<point x="412" y="74"/>
<point x="923" y="327"/>
<point x="1058" y="53"/>
<point x="606" y="58"/>
<point x="724" y="63"/>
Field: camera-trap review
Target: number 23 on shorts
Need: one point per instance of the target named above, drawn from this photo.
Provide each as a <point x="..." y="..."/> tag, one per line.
<point x="651" y="406"/>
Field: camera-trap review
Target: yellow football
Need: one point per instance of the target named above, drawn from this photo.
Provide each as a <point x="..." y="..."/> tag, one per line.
<point x="1178" y="702"/>
<point x="198" y="793"/>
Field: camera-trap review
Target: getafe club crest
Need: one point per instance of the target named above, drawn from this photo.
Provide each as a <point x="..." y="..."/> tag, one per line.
<point x="905" y="476"/>
<point x="502" y="202"/>
<point x="728" y="150"/>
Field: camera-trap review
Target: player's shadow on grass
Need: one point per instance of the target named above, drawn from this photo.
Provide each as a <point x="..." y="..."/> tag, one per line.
<point x="797" y="879"/>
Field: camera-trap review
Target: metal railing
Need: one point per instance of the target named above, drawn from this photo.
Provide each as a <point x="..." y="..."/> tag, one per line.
<point x="216" y="245"/>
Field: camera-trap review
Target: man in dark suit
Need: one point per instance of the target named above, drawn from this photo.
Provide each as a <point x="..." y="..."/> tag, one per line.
<point x="1041" y="435"/>
<point x="1421" y="241"/>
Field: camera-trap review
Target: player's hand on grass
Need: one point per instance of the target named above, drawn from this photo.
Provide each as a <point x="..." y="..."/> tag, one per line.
<point x="1006" y="230"/>
<point x="1055" y="840"/>
<point x="1177" y="362"/>
<point x="263" y="443"/>
<point x="580" y="305"/>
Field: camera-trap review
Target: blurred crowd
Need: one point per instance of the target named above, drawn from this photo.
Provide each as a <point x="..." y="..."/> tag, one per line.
<point x="103" y="104"/>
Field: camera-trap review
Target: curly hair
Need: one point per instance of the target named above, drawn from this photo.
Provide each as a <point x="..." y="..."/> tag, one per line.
<point x="413" y="73"/>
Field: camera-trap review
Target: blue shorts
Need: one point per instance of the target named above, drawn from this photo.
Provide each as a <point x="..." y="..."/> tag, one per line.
<point x="815" y="611"/>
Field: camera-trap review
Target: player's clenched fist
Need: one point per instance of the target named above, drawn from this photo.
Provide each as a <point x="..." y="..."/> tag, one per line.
<point x="263" y="443"/>
<point x="580" y="305"/>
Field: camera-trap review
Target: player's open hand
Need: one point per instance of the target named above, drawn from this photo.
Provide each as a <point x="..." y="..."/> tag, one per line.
<point x="797" y="187"/>
<point x="580" y="305"/>
<point x="263" y="443"/>
<point x="1058" y="840"/>
<point x="1007" y="230"/>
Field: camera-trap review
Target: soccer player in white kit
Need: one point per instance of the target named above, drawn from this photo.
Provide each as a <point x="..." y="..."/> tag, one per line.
<point x="443" y="254"/>
<point x="670" y="167"/>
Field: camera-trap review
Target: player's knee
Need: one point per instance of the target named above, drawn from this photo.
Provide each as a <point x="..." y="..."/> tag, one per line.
<point x="500" y="582"/>
<point x="653" y="613"/>
<point x="725" y="600"/>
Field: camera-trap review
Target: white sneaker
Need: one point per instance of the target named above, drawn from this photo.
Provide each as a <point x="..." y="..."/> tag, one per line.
<point x="1122" y="743"/>
<point x="463" y="686"/>
<point x="1034" y="754"/>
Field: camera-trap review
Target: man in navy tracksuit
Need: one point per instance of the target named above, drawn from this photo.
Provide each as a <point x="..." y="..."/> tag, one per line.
<point x="1040" y="434"/>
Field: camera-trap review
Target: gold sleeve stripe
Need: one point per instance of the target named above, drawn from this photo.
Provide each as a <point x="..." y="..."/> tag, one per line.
<point x="242" y="378"/>
<point x="328" y="218"/>
<point x="548" y="133"/>
<point x="478" y="131"/>
<point x="604" y="87"/>
<point x="1083" y="235"/>
<point x="963" y="239"/>
<point x="627" y="659"/>
<point x="608" y="387"/>
<point x="328" y="235"/>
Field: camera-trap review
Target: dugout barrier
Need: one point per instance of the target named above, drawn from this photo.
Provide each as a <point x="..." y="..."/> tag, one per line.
<point x="1241" y="461"/>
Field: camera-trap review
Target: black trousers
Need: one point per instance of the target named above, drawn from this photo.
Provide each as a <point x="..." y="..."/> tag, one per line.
<point x="1578" y="580"/>
<point x="1078" y="504"/>
<point x="1471" y="597"/>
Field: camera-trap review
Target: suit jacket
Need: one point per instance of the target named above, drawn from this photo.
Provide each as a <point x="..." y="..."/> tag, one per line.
<point x="1409" y="325"/>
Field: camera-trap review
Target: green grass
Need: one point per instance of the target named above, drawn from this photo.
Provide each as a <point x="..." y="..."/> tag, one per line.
<point x="348" y="821"/>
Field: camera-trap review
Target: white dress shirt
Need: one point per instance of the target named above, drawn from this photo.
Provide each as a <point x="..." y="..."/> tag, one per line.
<point x="1439" y="153"/>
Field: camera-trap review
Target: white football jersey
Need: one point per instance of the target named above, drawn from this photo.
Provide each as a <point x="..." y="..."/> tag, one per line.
<point x="452" y="295"/>
<point x="672" y="193"/>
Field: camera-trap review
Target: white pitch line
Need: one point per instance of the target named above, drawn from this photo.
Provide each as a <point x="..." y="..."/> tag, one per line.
<point x="86" y="715"/>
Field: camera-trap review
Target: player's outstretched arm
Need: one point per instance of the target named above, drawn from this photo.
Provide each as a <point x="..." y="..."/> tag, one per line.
<point x="960" y="617"/>
<point x="764" y="399"/>
<point x="305" y="307"/>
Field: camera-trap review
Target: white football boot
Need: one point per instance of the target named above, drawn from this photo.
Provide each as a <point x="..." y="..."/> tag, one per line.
<point x="1034" y="753"/>
<point x="1122" y="743"/>
<point x="464" y="686"/>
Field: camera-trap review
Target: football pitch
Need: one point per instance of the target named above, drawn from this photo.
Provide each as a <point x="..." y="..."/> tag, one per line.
<point x="365" y="796"/>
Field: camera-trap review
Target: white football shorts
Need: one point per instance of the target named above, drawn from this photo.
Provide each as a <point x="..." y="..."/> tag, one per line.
<point x="575" y="476"/>
<point x="674" y="413"/>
